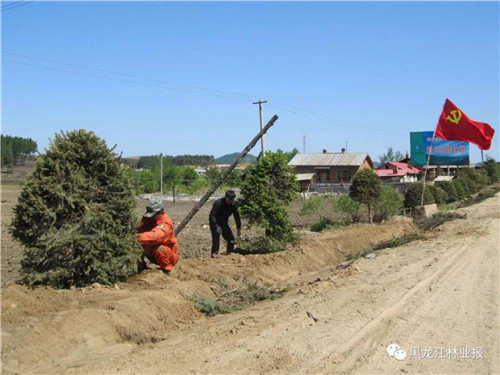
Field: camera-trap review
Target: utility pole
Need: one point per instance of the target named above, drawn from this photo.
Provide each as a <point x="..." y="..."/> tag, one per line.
<point x="262" y="141"/>
<point x="304" y="143"/>
<point x="161" y="177"/>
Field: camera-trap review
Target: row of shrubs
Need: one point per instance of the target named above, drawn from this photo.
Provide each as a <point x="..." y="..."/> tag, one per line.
<point x="390" y="202"/>
<point x="469" y="183"/>
<point x="347" y="210"/>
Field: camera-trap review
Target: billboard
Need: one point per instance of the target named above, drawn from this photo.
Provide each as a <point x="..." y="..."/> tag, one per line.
<point x="443" y="152"/>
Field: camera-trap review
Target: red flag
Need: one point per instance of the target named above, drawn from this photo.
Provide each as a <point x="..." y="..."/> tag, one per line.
<point x="454" y="125"/>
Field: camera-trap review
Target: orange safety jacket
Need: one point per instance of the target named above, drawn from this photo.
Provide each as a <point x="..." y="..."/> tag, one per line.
<point x="154" y="233"/>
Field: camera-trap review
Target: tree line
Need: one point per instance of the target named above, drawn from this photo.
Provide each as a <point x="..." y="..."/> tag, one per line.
<point x="16" y="150"/>
<point x="148" y="162"/>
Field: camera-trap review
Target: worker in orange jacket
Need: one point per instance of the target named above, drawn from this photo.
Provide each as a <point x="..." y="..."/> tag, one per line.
<point x="157" y="237"/>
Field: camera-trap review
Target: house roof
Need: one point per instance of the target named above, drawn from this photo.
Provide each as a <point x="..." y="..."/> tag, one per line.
<point x="330" y="159"/>
<point x="443" y="178"/>
<point x="305" y="176"/>
<point x="395" y="169"/>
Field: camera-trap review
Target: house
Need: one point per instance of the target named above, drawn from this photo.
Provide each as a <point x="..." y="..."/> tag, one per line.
<point x="394" y="171"/>
<point x="331" y="168"/>
<point x="306" y="181"/>
<point x="440" y="179"/>
<point x="240" y="166"/>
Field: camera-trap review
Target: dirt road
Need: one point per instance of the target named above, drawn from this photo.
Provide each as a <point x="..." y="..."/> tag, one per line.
<point x="438" y="299"/>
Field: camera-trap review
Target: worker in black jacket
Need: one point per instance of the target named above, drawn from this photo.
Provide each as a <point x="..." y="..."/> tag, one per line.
<point x="222" y="209"/>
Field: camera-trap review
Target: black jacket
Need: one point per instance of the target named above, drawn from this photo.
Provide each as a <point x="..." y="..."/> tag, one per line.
<point x="221" y="211"/>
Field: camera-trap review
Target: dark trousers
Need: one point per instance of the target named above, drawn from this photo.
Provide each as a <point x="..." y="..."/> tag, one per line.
<point x="227" y="234"/>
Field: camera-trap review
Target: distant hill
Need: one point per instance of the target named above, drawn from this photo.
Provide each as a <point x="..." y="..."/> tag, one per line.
<point x="229" y="158"/>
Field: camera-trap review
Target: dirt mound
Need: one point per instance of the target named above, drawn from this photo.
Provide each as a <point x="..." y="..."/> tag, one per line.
<point x="44" y="326"/>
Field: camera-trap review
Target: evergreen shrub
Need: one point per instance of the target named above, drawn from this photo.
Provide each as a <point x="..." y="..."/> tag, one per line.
<point x="413" y="195"/>
<point x="76" y="216"/>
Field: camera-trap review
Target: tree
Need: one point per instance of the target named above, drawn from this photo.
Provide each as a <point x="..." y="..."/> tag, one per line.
<point x="440" y="196"/>
<point x="212" y="174"/>
<point x="365" y="188"/>
<point x="188" y="175"/>
<point x="388" y="204"/>
<point x="234" y="178"/>
<point x="492" y="169"/>
<point x="288" y="154"/>
<point x="391" y="156"/>
<point x="313" y="205"/>
<point x="16" y="149"/>
<point x="172" y="177"/>
<point x="348" y="207"/>
<point x="7" y="155"/>
<point x="450" y="191"/>
<point x="76" y="216"/>
<point x="413" y="196"/>
<point x="269" y="187"/>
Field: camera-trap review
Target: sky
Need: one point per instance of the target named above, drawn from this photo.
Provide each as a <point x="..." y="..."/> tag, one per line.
<point x="181" y="78"/>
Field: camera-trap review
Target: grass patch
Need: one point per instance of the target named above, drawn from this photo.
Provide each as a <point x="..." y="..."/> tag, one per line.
<point x="259" y="245"/>
<point x="438" y="219"/>
<point x="229" y="297"/>
<point x="395" y="242"/>
<point x="446" y="207"/>
<point x="327" y="223"/>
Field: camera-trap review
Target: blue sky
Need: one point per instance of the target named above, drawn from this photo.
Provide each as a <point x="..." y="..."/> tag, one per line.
<point x="180" y="77"/>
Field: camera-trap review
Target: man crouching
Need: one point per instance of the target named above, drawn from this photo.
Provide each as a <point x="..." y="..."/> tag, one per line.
<point x="157" y="237"/>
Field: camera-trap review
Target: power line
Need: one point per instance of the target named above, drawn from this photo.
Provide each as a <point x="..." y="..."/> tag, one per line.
<point x="118" y="79"/>
<point x="324" y="118"/>
<point x="13" y="5"/>
<point x="183" y="88"/>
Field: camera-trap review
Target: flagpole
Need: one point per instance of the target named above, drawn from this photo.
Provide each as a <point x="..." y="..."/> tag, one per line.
<point x="428" y="159"/>
<point x="427" y="167"/>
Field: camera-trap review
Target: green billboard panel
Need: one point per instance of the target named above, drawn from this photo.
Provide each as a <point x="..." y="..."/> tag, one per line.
<point x="442" y="152"/>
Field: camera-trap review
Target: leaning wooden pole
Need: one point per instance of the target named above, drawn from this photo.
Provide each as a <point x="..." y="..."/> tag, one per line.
<point x="224" y="175"/>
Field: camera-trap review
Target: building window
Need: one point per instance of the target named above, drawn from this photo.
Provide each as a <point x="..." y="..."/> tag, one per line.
<point x="344" y="175"/>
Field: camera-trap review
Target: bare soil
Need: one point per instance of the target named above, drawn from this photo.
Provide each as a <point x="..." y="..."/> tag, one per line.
<point x="441" y="293"/>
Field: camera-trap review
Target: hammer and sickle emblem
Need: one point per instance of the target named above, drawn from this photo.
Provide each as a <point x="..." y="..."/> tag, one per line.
<point x="455" y="116"/>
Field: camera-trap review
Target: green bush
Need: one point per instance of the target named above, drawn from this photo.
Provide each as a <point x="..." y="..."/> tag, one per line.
<point x="261" y="245"/>
<point x="492" y="169"/>
<point x="438" y="219"/>
<point x="471" y="184"/>
<point x="231" y="297"/>
<point x="465" y="186"/>
<point x="450" y="190"/>
<point x="482" y="195"/>
<point x="488" y="193"/>
<point x="76" y="216"/>
<point x="348" y="207"/>
<point x="388" y="204"/>
<point x="267" y="190"/>
<point x="459" y="187"/>
<point x="480" y="177"/>
<point x="413" y="195"/>
<point x="327" y="223"/>
<point x="365" y="188"/>
<point x="313" y="205"/>
<point x="440" y="196"/>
